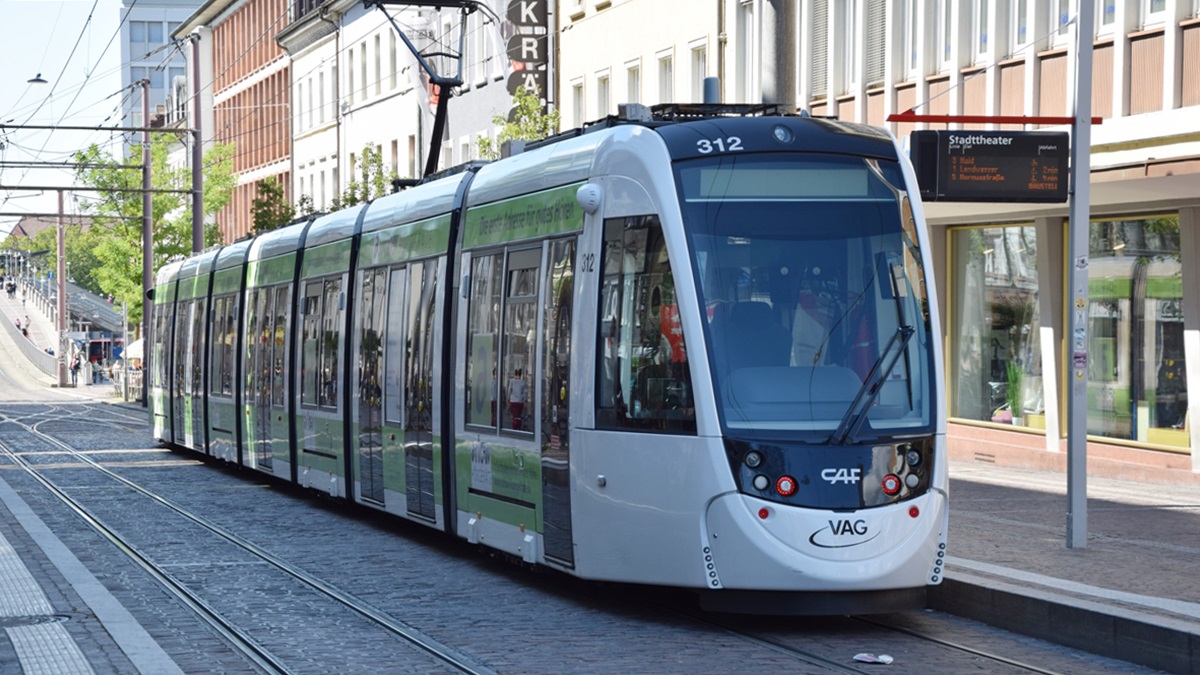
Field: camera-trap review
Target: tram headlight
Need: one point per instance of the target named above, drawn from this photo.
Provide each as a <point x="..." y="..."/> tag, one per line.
<point x="753" y="459"/>
<point x="782" y="134"/>
<point x="911" y="480"/>
<point x="913" y="458"/>
<point x="761" y="482"/>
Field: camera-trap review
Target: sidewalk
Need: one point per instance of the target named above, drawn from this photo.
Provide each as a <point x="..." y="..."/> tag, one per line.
<point x="41" y="331"/>
<point x="1133" y="593"/>
<point x="42" y="334"/>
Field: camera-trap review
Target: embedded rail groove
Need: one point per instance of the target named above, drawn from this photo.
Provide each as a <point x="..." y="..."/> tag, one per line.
<point x="254" y="651"/>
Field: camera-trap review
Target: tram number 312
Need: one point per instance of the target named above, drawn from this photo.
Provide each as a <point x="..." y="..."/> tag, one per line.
<point x="706" y="146"/>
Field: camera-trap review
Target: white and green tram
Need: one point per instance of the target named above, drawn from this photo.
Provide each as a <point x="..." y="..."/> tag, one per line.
<point x="697" y="349"/>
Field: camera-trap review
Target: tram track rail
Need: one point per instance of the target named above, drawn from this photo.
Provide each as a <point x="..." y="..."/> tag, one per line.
<point x="255" y="652"/>
<point x="980" y="653"/>
<point x="986" y="660"/>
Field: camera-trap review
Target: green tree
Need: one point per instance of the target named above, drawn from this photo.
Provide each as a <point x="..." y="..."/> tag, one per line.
<point x="115" y="237"/>
<point x="270" y="208"/>
<point x="530" y="122"/>
<point x="371" y="181"/>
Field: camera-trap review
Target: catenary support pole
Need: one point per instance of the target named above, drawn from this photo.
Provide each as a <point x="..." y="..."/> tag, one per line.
<point x="1080" y="199"/>
<point x="61" y="278"/>
<point x="197" y="152"/>
<point x="147" y="241"/>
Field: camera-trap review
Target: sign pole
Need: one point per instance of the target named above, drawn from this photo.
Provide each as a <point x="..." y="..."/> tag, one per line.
<point x="1079" y="225"/>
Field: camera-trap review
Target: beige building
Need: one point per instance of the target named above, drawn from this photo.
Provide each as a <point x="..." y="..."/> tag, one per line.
<point x="1001" y="267"/>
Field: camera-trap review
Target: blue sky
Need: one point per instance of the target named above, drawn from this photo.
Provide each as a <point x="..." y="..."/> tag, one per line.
<point x="82" y="90"/>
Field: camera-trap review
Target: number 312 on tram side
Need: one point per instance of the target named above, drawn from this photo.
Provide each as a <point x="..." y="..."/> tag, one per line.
<point x="696" y="349"/>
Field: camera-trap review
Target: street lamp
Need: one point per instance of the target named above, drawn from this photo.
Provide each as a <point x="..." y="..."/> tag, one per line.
<point x="37" y="79"/>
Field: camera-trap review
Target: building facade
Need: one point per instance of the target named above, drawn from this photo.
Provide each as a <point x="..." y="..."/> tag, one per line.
<point x="1002" y="268"/>
<point x="341" y="82"/>
<point x="148" y="52"/>
<point x="250" y="89"/>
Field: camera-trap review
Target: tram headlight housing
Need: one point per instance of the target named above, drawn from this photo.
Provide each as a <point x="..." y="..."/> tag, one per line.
<point x="753" y="459"/>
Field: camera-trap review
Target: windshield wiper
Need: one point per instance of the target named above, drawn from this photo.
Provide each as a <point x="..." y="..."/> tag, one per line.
<point x="856" y="415"/>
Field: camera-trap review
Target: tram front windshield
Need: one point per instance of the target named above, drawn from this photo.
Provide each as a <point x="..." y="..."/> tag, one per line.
<point x="810" y="278"/>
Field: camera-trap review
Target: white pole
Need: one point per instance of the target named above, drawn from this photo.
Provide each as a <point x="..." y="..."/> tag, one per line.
<point x="1080" y="200"/>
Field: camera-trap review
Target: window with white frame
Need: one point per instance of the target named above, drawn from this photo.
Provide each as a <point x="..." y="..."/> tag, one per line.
<point x="909" y="38"/>
<point x="1106" y="15"/>
<point x="391" y="59"/>
<point x="308" y="109"/>
<point x="321" y="97"/>
<point x="666" y="78"/>
<point x="299" y="108"/>
<point x="362" y="65"/>
<point x="1018" y="22"/>
<point x="979" y="28"/>
<point x="633" y="82"/>
<point x="1060" y="22"/>
<point x="378" y="70"/>
<point x="818" y="40"/>
<point x="747" y="53"/>
<point x="1152" y="12"/>
<point x="945" y="33"/>
<point x="577" y="103"/>
<point x="603" y="94"/>
<point x="846" y="33"/>
<point x="699" y="71"/>
<point x="350" y="75"/>
<point x="876" y="41"/>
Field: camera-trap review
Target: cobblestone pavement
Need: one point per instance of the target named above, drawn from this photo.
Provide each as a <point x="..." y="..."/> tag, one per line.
<point x="504" y="617"/>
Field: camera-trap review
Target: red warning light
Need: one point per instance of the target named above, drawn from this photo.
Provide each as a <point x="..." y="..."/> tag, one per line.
<point x="786" y="486"/>
<point x="891" y="484"/>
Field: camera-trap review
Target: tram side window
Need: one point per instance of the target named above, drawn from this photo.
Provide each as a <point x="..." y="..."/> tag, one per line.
<point x="643" y="378"/>
<point x="279" y="342"/>
<point x="520" y="333"/>
<point x="483" y="327"/>
<point x="253" y="311"/>
<point x="266" y="347"/>
<point x="198" y="346"/>
<point x="419" y="365"/>
<point x="310" y="367"/>
<point x="556" y="340"/>
<point x="319" y="370"/>
<point x="162" y="338"/>
<point x="181" y="334"/>
<point x="393" y="354"/>
<point x="370" y="342"/>
<point x="224" y="334"/>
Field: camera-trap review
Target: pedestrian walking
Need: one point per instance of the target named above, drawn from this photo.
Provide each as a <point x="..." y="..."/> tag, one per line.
<point x="516" y="398"/>
<point x="75" y="371"/>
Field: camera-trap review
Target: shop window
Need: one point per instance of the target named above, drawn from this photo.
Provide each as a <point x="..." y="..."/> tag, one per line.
<point x="1136" y="387"/>
<point x="995" y="359"/>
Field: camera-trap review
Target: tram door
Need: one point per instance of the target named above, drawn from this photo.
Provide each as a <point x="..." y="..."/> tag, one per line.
<point x="418" y="381"/>
<point x="370" y="386"/>
<point x="556" y="385"/>
<point x="196" y="350"/>
<point x="180" y="378"/>
<point x="261" y="342"/>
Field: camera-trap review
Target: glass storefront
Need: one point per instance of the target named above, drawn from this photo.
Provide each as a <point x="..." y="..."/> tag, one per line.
<point x="1136" y="388"/>
<point x="995" y="356"/>
<point x="1136" y="385"/>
